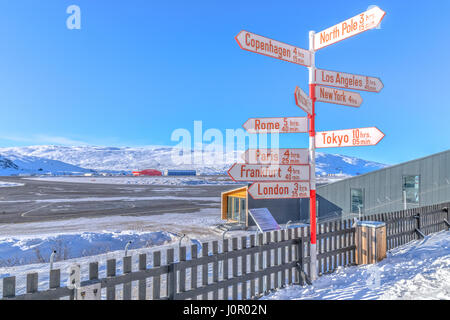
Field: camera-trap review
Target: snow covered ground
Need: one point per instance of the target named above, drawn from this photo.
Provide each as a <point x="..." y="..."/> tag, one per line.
<point x="4" y="184"/>
<point x="173" y="181"/>
<point x="84" y="240"/>
<point x="418" y="270"/>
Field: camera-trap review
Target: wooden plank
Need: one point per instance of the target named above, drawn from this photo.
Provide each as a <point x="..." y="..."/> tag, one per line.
<point x="127" y="270"/>
<point x="205" y="252"/>
<point x="260" y="263"/>
<point x="276" y="238"/>
<point x="268" y="263"/>
<point x="55" y="279"/>
<point x="252" y="267"/>
<point x="9" y="287"/>
<point x="298" y="252"/>
<point x="111" y="272"/>
<point x="289" y="256"/>
<point x="225" y="268"/>
<point x="215" y="265"/>
<point x="181" y="270"/>
<point x="93" y="270"/>
<point x="156" y="295"/>
<point x="283" y="236"/>
<point x="194" y="269"/>
<point x="32" y="282"/>
<point x="142" y="284"/>
<point x="234" y="263"/>
<point x="244" y="268"/>
<point x="171" y="282"/>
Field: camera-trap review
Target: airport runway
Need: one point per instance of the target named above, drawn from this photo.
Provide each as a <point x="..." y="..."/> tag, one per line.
<point x="40" y="200"/>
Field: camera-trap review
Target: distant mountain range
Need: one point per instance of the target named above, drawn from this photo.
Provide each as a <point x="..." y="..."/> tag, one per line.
<point x="48" y="159"/>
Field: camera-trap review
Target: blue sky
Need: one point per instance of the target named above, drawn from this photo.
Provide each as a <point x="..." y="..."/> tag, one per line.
<point x="137" y="70"/>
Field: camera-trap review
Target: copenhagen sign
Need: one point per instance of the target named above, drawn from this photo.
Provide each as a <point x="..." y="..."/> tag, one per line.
<point x="272" y="48"/>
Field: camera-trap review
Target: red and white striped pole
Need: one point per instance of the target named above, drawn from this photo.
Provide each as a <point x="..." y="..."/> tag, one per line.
<point x="312" y="159"/>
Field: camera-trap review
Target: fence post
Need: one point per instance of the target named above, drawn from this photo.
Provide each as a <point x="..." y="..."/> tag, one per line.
<point x="171" y="278"/>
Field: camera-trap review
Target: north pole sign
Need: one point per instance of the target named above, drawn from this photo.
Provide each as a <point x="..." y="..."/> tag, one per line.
<point x="276" y="125"/>
<point x="336" y="96"/>
<point x="279" y="190"/>
<point x="272" y="48"/>
<point x="347" y="80"/>
<point x="302" y="100"/>
<point x="276" y="156"/>
<point x="349" y="137"/>
<point x="351" y="27"/>
<point x="261" y="172"/>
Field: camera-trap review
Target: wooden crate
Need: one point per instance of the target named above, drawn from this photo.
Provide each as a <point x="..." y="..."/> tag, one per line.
<point x="370" y="242"/>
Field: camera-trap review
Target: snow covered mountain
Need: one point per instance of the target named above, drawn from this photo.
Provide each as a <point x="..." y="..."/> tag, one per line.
<point x="19" y="164"/>
<point x="64" y="158"/>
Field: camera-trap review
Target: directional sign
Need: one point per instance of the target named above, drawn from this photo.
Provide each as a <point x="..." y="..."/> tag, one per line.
<point x="349" y="137"/>
<point x="276" y="125"/>
<point x="276" y="156"/>
<point x="272" y="48"/>
<point x="279" y="190"/>
<point x="348" y="80"/>
<point x="302" y="100"/>
<point x="264" y="172"/>
<point x="349" y="28"/>
<point x="336" y="96"/>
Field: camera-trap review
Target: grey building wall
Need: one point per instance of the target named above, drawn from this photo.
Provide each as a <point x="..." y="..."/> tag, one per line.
<point x="282" y="210"/>
<point x="383" y="188"/>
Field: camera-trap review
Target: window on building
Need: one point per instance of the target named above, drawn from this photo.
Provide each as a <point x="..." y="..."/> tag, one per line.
<point x="242" y="211"/>
<point x="236" y="209"/>
<point x="357" y="200"/>
<point x="410" y="189"/>
<point x="229" y="208"/>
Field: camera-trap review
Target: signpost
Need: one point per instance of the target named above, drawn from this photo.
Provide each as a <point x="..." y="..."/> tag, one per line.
<point x="349" y="137"/>
<point x="276" y="156"/>
<point x="272" y="48"/>
<point x="279" y="190"/>
<point x="276" y="125"/>
<point x="336" y="96"/>
<point x="347" y="80"/>
<point x="320" y="80"/>
<point x="351" y="27"/>
<point x="302" y="100"/>
<point x="267" y="172"/>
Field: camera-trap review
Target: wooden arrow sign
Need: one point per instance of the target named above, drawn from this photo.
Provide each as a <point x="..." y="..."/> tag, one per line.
<point x="279" y="190"/>
<point x="272" y="48"/>
<point x="348" y="80"/>
<point x="276" y="125"/>
<point x="349" y="137"/>
<point x="261" y="172"/>
<point x="302" y="100"/>
<point x="336" y="96"/>
<point x="351" y="27"/>
<point x="276" y="156"/>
